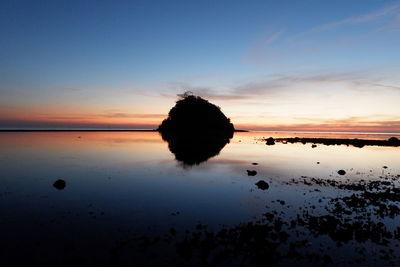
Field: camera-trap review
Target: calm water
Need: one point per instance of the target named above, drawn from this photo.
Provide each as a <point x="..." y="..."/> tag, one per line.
<point x="120" y="185"/>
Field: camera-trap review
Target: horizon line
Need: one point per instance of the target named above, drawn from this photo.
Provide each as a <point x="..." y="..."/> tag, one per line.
<point x="155" y="130"/>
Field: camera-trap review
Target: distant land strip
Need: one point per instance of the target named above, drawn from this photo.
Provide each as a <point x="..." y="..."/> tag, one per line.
<point x="74" y="130"/>
<point x="85" y="130"/>
<point x="393" y="141"/>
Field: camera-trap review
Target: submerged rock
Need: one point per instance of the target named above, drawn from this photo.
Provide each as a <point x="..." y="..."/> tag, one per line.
<point x="393" y="141"/>
<point x="270" y="141"/>
<point x="251" y="173"/>
<point x="59" y="184"/>
<point x="263" y="185"/>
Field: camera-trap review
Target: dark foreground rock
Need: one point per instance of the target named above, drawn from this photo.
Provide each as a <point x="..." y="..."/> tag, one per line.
<point x="357" y="225"/>
<point x="251" y="173"/>
<point x="59" y="184"/>
<point x="393" y="141"/>
<point x="263" y="185"/>
<point x="270" y="141"/>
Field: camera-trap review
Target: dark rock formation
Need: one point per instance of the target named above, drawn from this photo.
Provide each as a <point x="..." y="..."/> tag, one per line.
<point x="195" y="129"/>
<point x="196" y="116"/>
<point x="263" y="185"/>
<point x="270" y="141"/>
<point x="59" y="184"/>
<point x="393" y="141"/>
<point x="341" y="172"/>
<point x="251" y="173"/>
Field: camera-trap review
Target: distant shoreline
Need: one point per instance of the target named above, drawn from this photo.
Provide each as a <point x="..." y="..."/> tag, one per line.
<point x="73" y="130"/>
<point x="84" y="130"/>
<point x="154" y="130"/>
<point x="393" y="141"/>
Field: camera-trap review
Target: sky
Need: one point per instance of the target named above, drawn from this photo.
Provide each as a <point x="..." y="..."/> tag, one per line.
<point x="270" y="65"/>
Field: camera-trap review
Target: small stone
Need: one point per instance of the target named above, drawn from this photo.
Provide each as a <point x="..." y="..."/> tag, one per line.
<point x="270" y="141"/>
<point x="341" y="172"/>
<point x="59" y="184"/>
<point x="251" y="173"/>
<point x="263" y="185"/>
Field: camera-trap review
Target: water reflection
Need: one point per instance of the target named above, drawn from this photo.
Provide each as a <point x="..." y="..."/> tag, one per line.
<point x="119" y="186"/>
<point x="194" y="149"/>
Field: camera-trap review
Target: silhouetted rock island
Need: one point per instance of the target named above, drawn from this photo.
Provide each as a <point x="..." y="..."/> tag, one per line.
<point x="195" y="129"/>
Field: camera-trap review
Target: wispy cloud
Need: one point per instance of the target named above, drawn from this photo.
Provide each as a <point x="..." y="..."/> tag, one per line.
<point x="390" y="12"/>
<point x="206" y="92"/>
<point x="96" y="91"/>
<point x="115" y="115"/>
<point x="274" y="49"/>
<point x="201" y="77"/>
<point x="345" y="124"/>
<point x="276" y="85"/>
<point x="259" y="49"/>
<point x="131" y="115"/>
<point x="281" y="83"/>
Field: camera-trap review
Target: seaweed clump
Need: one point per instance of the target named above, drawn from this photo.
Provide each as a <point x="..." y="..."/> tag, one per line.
<point x="195" y="129"/>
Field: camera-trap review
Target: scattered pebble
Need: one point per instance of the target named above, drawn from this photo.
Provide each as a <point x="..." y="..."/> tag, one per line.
<point x="270" y="141"/>
<point x="263" y="185"/>
<point x="251" y="173"/>
<point x="59" y="184"/>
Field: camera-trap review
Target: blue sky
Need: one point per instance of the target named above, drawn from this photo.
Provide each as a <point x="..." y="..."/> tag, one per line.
<point x="84" y="59"/>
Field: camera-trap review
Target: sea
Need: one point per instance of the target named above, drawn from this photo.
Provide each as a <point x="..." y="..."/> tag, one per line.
<point x="133" y="198"/>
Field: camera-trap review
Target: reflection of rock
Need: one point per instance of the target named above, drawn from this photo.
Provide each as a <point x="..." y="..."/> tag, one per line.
<point x="193" y="150"/>
<point x="59" y="184"/>
<point x="195" y="129"/>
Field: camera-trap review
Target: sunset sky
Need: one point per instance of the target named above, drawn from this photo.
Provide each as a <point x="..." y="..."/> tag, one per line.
<point x="269" y="65"/>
